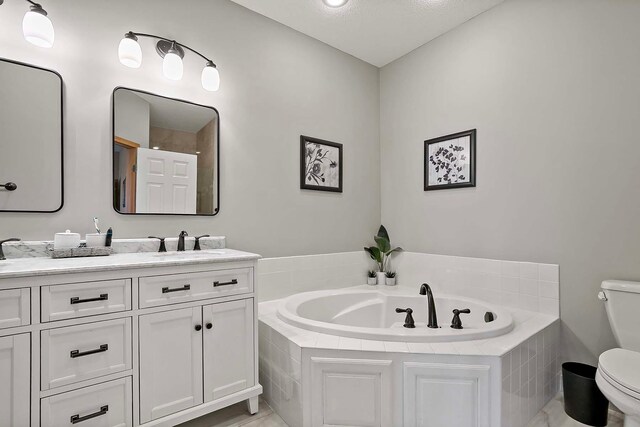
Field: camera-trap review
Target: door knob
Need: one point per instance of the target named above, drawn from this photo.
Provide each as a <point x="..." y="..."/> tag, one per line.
<point x="209" y="325"/>
<point x="9" y="186"/>
<point x="198" y="328"/>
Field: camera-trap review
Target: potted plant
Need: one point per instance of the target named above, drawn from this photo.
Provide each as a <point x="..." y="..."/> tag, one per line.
<point x="381" y="253"/>
<point x="390" y="278"/>
<point x="371" y="277"/>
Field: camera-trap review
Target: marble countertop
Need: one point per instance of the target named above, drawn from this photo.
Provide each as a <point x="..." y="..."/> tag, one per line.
<point x="526" y="324"/>
<point x="26" y="267"/>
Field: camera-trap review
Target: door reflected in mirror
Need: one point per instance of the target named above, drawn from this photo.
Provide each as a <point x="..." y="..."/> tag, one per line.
<point x="165" y="155"/>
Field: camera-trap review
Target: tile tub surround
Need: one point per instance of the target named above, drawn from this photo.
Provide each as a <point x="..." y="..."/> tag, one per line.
<point x="523" y="285"/>
<point x="524" y="363"/>
<point x="281" y="277"/>
<point x="39" y="249"/>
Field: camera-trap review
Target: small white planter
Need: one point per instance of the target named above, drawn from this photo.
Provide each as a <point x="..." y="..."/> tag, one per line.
<point x="381" y="277"/>
<point x="372" y="281"/>
<point x="390" y="281"/>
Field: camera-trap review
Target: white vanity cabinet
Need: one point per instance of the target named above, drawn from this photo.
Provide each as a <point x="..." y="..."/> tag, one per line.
<point x="138" y="340"/>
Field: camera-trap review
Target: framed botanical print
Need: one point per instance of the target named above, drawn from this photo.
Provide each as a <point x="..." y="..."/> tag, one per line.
<point x="450" y="161"/>
<point x="320" y="165"/>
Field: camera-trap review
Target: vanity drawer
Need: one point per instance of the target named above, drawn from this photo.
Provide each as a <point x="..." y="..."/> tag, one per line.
<point x="175" y="288"/>
<point x="81" y="352"/>
<point x="84" y="299"/>
<point x="105" y="405"/>
<point x="15" y="307"/>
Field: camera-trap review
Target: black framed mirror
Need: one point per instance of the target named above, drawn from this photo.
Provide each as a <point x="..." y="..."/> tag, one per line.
<point x="31" y="138"/>
<point x="166" y="155"/>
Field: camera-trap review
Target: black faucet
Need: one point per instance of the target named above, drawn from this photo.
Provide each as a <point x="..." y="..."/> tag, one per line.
<point x="196" y="246"/>
<point x="181" y="237"/>
<point x="408" y="321"/>
<point x="425" y="289"/>
<point x="13" y="239"/>
<point x="162" y="247"/>
<point x="456" y="323"/>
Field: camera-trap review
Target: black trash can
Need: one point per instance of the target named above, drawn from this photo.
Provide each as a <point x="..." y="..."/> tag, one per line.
<point x="583" y="400"/>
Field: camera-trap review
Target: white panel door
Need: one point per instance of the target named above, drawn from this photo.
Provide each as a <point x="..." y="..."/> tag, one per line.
<point x="166" y="182"/>
<point x="351" y="392"/>
<point x="170" y="362"/>
<point x="437" y="395"/>
<point x="228" y="348"/>
<point x="15" y="375"/>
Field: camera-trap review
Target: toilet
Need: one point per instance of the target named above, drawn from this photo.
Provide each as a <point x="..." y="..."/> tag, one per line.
<point x="618" y="375"/>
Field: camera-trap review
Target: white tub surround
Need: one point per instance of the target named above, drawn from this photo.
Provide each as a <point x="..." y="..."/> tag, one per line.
<point x="40" y="248"/>
<point x="151" y="339"/>
<point x="315" y="379"/>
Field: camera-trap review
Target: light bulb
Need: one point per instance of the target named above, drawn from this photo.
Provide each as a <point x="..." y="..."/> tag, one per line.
<point x="37" y="27"/>
<point x="129" y="51"/>
<point x="210" y="77"/>
<point x="335" y="3"/>
<point x="172" y="66"/>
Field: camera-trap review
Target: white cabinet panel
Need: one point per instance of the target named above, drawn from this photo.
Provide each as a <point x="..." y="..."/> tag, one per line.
<point x="15" y="307"/>
<point x="228" y="348"/>
<point x="351" y="392"/>
<point x="437" y="395"/>
<point x="170" y="362"/>
<point x="15" y="380"/>
<point x="103" y="405"/>
<point x="175" y="288"/>
<point x="84" y="299"/>
<point x="81" y="352"/>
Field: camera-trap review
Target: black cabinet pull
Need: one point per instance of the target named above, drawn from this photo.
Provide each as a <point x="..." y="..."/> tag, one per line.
<point x="76" y="353"/>
<point x="209" y="325"/>
<point x="166" y="290"/>
<point x="198" y="328"/>
<point x="75" y="419"/>
<point x="231" y="282"/>
<point x="9" y="186"/>
<point x="77" y="300"/>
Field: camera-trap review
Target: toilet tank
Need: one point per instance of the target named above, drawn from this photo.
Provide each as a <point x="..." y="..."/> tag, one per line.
<point x="622" y="300"/>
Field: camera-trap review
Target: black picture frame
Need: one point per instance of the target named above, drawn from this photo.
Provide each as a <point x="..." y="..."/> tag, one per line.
<point x="62" y="106"/>
<point x="426" y="161"/>
<point x="304" y="184"/>
<point x="114" y="205"/>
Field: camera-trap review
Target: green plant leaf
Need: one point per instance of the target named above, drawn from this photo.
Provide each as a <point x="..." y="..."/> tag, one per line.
<point x="383" y="243"/>
<point x="374" y="253"/>
<point x="382" y="232"/>
<point x="390" y="251"/>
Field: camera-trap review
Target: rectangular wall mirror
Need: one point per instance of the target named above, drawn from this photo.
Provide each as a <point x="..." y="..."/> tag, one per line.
<point x="165" y="155"/>
<point x="30" y="138"/>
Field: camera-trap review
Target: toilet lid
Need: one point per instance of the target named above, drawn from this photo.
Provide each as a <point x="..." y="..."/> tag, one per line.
<point x="622" y="366"/>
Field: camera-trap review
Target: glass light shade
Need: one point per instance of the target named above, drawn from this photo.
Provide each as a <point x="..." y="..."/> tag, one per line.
<point x="210" y="78"/>
<point x="130" y="53"/>
<point x="172" y="66"/>
<point x="38" y="29"/>
<point x="335" y="3"/>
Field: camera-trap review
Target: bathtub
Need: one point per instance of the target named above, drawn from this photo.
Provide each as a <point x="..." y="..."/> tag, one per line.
<point x="369" y="313"/>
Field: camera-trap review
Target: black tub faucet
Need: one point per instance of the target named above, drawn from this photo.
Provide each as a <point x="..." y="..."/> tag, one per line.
<point x="425" y="289"/>
<point x="13" y="239"/>
<point x="181" y="237"/>
<point x="408" y="321"/>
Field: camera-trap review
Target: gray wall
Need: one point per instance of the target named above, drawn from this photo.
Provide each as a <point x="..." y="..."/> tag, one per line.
<point x="132" y="117"/>
<point x="552" y="87"/>
<point x="276" y="85"/>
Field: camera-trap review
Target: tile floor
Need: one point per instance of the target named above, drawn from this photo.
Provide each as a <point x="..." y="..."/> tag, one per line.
<point x="237" y="416"/>
<point x="553" y="415"/>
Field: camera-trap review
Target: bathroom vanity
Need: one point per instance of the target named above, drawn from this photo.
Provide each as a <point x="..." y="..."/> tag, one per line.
<point x="150" y="339"/>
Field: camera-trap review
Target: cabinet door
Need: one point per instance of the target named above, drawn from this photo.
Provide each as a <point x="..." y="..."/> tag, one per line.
<point x="15" y="372"/>
<point x="170" y="362"/>
<point x="228" y="348"/>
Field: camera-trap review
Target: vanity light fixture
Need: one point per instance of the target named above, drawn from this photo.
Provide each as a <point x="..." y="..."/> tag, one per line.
<point x="335" y="3"/>
<point x="172" y="52"/>
<point x="36" y="26"/>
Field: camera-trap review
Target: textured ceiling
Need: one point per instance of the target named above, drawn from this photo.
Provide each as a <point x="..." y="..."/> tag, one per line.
<point x="376" y="31"/>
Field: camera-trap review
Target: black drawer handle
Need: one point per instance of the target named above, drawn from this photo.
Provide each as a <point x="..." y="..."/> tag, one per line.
<point x="76" y="353"/>
<point x="184" y="288"/>
<point x="75" y="419"/>
<point x="77" y="300"/>
<point x="231" y="282"/>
